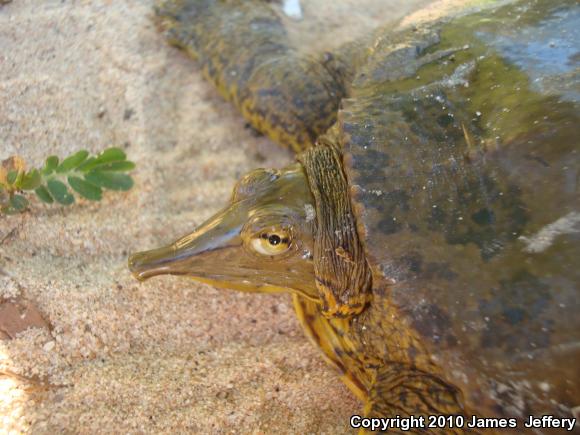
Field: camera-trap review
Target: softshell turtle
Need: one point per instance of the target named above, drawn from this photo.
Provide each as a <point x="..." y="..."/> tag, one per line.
<point x="429" y="230"/>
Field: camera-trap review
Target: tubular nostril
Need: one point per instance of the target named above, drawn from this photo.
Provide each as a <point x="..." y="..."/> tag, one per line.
<point x="147" y="264"/>
<point x="134" y="262"/>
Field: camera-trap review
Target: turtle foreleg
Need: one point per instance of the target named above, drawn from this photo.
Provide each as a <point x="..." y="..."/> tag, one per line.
<point x="244" y="50"/>
<point x="388" y="391"/>
<point x="400" y="391"/>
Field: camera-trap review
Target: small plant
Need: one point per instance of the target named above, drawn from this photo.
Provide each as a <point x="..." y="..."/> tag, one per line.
<point x="86" y="175"/>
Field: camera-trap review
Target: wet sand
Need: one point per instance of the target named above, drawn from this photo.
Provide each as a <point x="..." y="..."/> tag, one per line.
<point x="168" y="355"/>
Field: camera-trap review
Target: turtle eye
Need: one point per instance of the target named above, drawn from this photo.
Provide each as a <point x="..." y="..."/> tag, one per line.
<point x="271" y="242"/>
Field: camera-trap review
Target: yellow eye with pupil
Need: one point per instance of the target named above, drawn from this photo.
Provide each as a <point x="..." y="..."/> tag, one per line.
<point x="271" y="243"/>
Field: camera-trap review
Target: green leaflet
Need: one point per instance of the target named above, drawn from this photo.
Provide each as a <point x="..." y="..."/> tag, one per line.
<point x="18" y="202"/>
<point x="72" y="162"/>
<point x="11" y="177"/>
<point x="85" y="189"/>
<point x="110" y="180"/>
<point x="108" y="156"/>
<point x="44" y="195"/>
<point x="59" y="192"/>
<point x="50" y="165"/>
<point x="31" y="180"/>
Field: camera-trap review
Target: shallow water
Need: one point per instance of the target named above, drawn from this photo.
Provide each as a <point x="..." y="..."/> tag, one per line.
<point x="549" y="52"/>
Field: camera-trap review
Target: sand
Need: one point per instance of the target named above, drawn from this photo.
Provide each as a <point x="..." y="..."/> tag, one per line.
<point x="168" y="355"/>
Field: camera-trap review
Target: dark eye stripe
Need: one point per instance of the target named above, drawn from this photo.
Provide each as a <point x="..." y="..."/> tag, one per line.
<point x="275" y="239"/>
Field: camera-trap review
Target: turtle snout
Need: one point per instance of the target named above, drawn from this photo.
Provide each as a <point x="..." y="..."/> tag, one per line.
<point x="146" y="264"/>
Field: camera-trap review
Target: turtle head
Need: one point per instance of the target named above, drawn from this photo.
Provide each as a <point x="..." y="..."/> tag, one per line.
<point x="262" y="241"/>
<point x="284" y="230"/>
